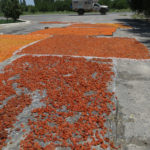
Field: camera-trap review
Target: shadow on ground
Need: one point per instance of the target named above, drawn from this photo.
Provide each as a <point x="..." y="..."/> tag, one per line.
<point x="87" y="14"/>
<point x="141" y="28"/>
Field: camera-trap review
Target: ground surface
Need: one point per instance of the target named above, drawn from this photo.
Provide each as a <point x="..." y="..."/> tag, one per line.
<point x="141" y="30"/>
<point x="130" y="123"/>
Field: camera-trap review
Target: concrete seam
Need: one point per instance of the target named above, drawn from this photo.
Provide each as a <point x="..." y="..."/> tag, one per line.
<point x="88" y="57"/>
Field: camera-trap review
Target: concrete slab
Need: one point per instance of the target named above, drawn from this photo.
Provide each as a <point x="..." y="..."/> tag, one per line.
<point x="132" y="90"/>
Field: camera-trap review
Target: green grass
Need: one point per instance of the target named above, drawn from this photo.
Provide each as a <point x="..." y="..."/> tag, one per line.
<point x="141" y="17"/>
<point x="5" y="21"/>
<point x="120" y="10"/>
<point x="50" y="12"/>
<point x="1" y="14"/>
<point x="68" y="12"/>
<point x="71" y="12"/>
<point x="138" y="16"/>
<point x="44" y="13"/>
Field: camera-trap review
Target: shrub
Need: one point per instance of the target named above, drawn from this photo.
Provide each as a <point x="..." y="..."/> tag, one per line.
<point x="141" y="6"/>
<point x="5" y="7"/>
<point x="31" y="9"/>
<point x="11" y="9"/>
<point x="120" y="4"/>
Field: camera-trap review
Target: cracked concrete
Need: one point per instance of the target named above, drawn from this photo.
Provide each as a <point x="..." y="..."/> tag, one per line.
<point x="17" y="137"/>
<point x="132" y="90"/>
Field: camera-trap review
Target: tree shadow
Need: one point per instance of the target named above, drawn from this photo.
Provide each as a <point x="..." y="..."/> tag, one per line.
<point x="87" y="14"/>
<point x="140" y="28"/>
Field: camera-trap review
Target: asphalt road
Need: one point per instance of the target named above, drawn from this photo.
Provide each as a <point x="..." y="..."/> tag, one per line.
<point x="88" y="18"/>
<point x="132" y="121"/>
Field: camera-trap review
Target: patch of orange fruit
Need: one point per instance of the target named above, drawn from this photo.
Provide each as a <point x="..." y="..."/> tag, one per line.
<point x="105" y="30"/>
<point x="54" y="22"/>
<point x="82" y="29"/>
<point x="74" y="24"/>
<point x="11" y="43"/>
<point x="117" y="25"/>
<point x="77" y="102"/>
<point x="101" y="25"/>
<point x="90" y="46"/>
<point x="76" y="105"/>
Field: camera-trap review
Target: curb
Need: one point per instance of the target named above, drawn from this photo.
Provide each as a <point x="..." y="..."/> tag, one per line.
<point x="14" y="24"/>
